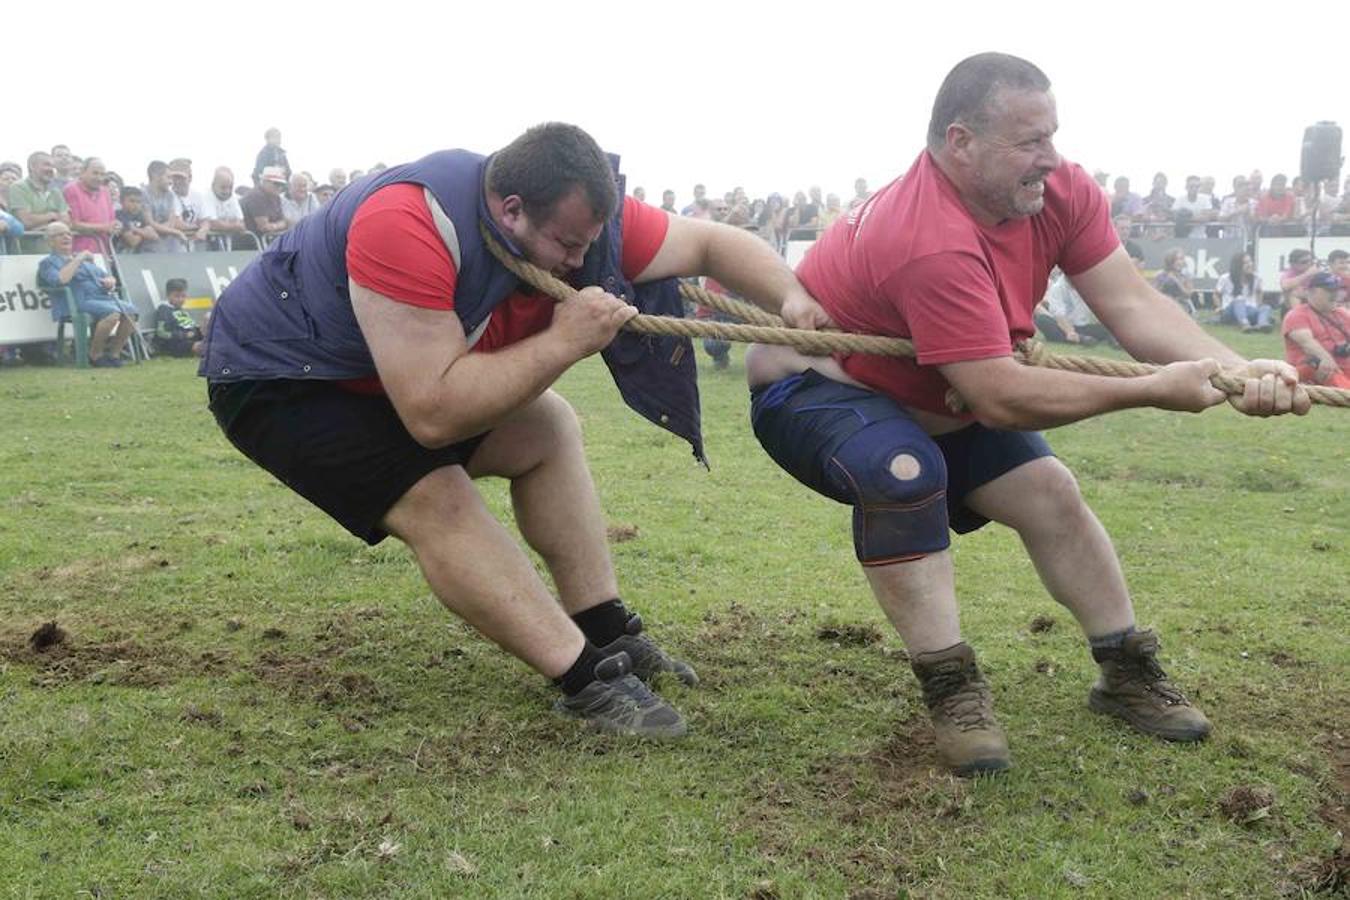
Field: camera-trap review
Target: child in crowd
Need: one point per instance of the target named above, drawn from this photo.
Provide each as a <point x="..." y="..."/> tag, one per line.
<point x="176" y="334"/>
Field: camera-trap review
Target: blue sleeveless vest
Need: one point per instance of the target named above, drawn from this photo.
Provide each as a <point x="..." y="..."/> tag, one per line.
<point x="289" y="313"/>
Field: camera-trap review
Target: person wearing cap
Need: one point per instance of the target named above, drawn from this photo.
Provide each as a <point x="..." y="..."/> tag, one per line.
<point x="955" y="255"/>
<point x="91" y="208"/>
<point x="263" y="212"/>
<point x="162" y="205"/>
<point x="93" y="290"/>
<point x="324" y="192"/>
<point x="1317" y="334"/>
<point x="36" y="202"/>
<point x="378" y="359"/>
<point x="188" y="204"/>
<point x="271" y="156"/>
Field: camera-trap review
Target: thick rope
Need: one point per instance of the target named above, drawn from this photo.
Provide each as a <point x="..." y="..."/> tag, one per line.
<point x="823" y="343"/>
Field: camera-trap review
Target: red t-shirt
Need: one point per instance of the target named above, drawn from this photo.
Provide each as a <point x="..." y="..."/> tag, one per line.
<point x="1324" y="330"/>
<point x="394" y="249"/>
<point x="1270" y="205"/>
<point x="912" y="262"/>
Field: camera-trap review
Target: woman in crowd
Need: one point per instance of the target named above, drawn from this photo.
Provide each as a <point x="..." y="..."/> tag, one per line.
<point x="772" y="223"/>
<point x="1239" y="290"/>
<point x="1173" y="281"/>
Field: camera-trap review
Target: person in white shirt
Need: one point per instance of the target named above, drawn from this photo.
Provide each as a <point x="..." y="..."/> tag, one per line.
<point x="222" y="225"/>
<point x="1193" y="209"/>
<point x="1239" y="290"/>
<point x="1063" y="317"/>
<point x="297" y="202"/>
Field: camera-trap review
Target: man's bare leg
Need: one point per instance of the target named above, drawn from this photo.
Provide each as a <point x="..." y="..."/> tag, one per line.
<point x="554" y="498"/>
<point x="1068" y="545"/>
<point x="919" y="598"/>
<point x="98" y="341"/>
<point x="479" y="572"/>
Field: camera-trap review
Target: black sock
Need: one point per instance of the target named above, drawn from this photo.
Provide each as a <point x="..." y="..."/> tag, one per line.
<point x="603" y="622"/>
<point x="582" y="672"/>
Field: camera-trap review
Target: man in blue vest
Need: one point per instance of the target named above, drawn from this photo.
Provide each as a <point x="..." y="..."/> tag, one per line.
<point x="377" y="358"/>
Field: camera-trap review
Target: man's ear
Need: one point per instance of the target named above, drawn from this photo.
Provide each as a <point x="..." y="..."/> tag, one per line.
<point x="513" y="212"/>
<point x="959" y="138"/>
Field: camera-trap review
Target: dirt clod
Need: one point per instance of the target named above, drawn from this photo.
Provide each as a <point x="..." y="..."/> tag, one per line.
<point x="274" y="634"/>
<point x="49" y="635"/>
<point x="1247" y="803"/>
<point x="1041" y="624"/>
<point x="1137" y="797"/>
<point x="851" y="635"/>
<point x="618" y="534"/>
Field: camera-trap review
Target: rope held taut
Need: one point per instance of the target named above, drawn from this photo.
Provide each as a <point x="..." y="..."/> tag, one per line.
<point x="769" y="330"/>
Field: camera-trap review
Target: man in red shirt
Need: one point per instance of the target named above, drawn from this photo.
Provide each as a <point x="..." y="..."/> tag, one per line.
<point x="1317" y="334"/>
<point x="340" y="363"/>
<point x="956" y="255"/>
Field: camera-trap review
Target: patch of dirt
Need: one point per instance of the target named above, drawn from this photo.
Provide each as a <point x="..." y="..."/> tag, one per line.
<point x="49" y="635"/>
<point x="849" y="635"/>
<point x="619" y="534"/>
<point x="1041" y="624"/>
<point x="1247" y="803"/>
<point x="1286" y="661"/>
<point x="209" y="717"/>
<point x="1326" y="876"/>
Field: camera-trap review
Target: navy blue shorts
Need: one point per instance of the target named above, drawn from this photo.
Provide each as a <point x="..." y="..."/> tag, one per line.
<point x="802" y="420"/>
<point x="349" y="454"/>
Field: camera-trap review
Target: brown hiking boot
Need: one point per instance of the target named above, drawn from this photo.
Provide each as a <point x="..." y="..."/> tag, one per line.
<point x="969" y="738"/>
<point x="1134" y="687"/>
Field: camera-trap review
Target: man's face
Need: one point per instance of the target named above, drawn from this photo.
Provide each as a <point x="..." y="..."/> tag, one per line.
<point x="222" y="186"/>
<point x="8" y="177"/>
<point x="1122" y="224"/>
<point x="176" y="299"/>
<point x="93" y="176"/>
<point x="699" y="192"/>
<point x="1302" y="264"/>
<point x="1340" y="267"/>
<point x="558" y="243"/>
<point x="1122" y="187"/>
<point x="61" y="158"/>
<point x="159" y="181"/>
<point x="1240" y="188"/>
<point x="1160" y="182"/>
<point x="181" y="184"/>
<point x="860" y="187"/>
<point x="668" y="199"/>
<point x="815" y="195"/>
<point x="1255" y="179"/>
<point x="275" y="188"/>
<point x="1322" y="299"/>
<point x="131" y="204"/>
<point x="299" y="189"/>
<point x="41" y="170"/>
<point x="1192" y="187"/>
<point x="640" y="194"/>
<point x="1277" y="187"/>
<point x="338" y="179"/>
<point x="61" y="241"/>
<point x="1013" y="154"/>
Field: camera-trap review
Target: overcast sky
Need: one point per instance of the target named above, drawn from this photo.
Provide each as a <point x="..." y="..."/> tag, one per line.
<point x="771" y="96"/>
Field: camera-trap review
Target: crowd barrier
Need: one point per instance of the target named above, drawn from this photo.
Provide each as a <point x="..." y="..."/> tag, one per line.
<point x="25" y="308"/>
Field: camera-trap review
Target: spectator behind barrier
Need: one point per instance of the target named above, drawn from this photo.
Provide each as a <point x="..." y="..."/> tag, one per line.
<point x="91" y="209"/>
<point x="668" y="202"/>
<point x="323" y="193"/>
<point x="138" y="234"/>
<point x="271" y="155"/>
<point x="338" y="179"/>
<point x="694" y="209"/>
<point x="1239" y="290"/>
<point x="860" y="194"/>
<point x="1192" y="210"/>
<point x="222" y="218"/>
<point x="162" y="206"/>
<point x="832" y="211"/>
<point x="1317" y="335"/>
<point x="263" y="214"/>
<point x="37" y="203"/>
<point x="65" y="164"/>
<point x="92" y="290"/>
<point x="1158" y="204"/>
<point x="188" y="203"/>
<point x="1277" y="205"/>
<point x="1124" y="202"/>
<point x="176" y="334"/>
<point x="10" y="172"/>
<point x="298" y="202"/>
<point x="1238" y="209"/>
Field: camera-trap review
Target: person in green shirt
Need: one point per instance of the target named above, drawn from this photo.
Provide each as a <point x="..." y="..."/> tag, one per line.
<point x="37" y="202"/>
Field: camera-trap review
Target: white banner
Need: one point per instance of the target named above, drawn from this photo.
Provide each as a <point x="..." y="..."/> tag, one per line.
<point x="1272" y="255"/>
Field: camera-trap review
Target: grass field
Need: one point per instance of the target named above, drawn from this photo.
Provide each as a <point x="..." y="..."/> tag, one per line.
<point x="248" y="702"/>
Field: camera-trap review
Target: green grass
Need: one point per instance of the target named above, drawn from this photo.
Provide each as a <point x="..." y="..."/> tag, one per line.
<point x="250" y="703"/>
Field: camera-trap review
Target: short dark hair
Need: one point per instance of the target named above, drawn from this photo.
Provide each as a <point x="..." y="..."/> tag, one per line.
<point x="1299" y="255"/>
<point x="156" y="167"/>
<point x="1337" y="256"/>
<point x="131" y="191"/>
<point x="546" y="163"/>
<point x="966" y="91"/>
<point x="175" y="284"/>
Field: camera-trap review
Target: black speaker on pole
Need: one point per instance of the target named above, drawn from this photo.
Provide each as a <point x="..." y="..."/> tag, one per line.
<point x="1321" y="152"/>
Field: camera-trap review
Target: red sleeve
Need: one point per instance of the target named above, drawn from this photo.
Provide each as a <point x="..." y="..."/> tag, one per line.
<point x="644" y="231"/>
<point x="394" y="249"/>
<point x="1091" y="237"/>
<point x="1295" y="319"/>
<point x="952" y="308"/>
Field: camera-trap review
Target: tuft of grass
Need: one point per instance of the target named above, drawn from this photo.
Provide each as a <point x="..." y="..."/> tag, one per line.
<point x="246" y="702"/>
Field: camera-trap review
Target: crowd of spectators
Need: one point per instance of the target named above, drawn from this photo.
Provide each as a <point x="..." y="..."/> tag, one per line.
<point x="75" y="208"/>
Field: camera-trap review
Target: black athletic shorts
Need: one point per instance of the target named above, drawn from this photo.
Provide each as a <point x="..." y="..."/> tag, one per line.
<point x="347" y="453"/>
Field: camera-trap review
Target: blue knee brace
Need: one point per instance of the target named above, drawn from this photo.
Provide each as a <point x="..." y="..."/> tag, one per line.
<point x="896" y="480"/>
